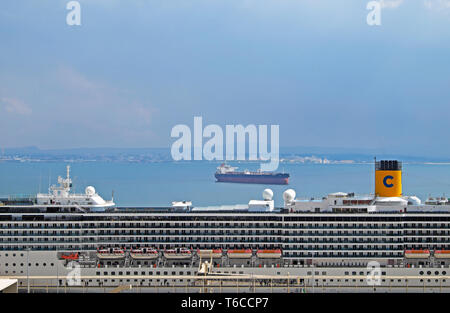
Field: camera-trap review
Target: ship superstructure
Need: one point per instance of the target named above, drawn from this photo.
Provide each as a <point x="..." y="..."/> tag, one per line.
<point x="59" y="198"/>
<point x="338" y="235"/>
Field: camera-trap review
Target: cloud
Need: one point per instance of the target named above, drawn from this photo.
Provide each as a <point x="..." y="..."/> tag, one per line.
<point x="16" y="106"/>
<point x="74" y="79"/>
<point x="390" y="4"/>
<point x="437" y="4"/>
<point x="90" y="108"/>
<point x="101" y="108"/>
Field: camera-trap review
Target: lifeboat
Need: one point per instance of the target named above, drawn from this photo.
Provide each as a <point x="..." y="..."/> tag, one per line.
<point x="239" y="253"/>
<point x="144" y="254"/>
<point x="209" y="253"/>
<point x="111" y="254"/>
<point x="417" y="254"/>
<point x="177" y="254"/>
<point x="71" y="256"/>
<point x="442" y="254"/>
<point x="269" y="254"/>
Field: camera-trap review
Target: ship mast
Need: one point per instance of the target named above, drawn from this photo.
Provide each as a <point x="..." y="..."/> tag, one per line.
<point x="375" y="177"/>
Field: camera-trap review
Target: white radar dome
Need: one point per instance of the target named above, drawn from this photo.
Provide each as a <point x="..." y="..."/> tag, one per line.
<point x="414" y="200"/>
<point x="90" y="191"/>
<point x="289" y="195"/>
<point x="267" y="194"/>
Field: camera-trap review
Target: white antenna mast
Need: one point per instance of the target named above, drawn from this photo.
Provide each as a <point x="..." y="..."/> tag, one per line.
<point x="49" y="175"/>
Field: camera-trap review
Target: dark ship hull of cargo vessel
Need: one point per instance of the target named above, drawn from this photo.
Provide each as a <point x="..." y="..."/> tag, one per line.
<point x="254" y="178"/>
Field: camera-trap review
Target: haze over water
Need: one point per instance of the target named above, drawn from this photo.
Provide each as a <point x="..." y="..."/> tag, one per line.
<point x="158" y="184"/>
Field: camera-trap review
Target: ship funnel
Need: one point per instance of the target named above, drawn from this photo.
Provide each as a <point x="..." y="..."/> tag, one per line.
<point x="388" y="178"/>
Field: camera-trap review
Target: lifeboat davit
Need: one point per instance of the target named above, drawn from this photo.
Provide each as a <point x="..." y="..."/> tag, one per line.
<point x="144" y="254"/>
<point x="239" y="253"/>
<point x="72" y="256"/>
<point x="178" y="254"/>
<point x="442" y="254"/>
<point x="269" y="254"/>
<point x="111" y="254"/>
<point x="208" y="253"/>
<point x="417" y="254"/>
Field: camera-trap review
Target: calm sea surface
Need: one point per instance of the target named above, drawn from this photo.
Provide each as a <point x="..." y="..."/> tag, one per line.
<point x="158" y="184"/>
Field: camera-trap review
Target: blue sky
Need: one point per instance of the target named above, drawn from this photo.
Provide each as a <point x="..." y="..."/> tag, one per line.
<point x="134" y="69"/>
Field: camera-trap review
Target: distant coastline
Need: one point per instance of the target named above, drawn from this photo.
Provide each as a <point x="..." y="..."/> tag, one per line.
<point x="288" y="155"/>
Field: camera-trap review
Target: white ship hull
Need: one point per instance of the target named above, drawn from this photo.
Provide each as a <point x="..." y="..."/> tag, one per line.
<point x="54" y="276"/>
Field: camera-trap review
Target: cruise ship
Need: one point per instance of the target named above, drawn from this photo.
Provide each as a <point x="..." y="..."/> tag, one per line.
<point x="383" y="242"/>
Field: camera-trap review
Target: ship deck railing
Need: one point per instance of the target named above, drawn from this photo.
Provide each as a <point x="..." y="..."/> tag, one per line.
<point x="298" y="228"/>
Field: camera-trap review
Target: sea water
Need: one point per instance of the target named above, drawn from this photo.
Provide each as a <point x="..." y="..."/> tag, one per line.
<point x="158" y="184"/>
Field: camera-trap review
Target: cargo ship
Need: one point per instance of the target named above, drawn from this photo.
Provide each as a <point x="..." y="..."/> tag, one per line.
<point x="229" y="174"/>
